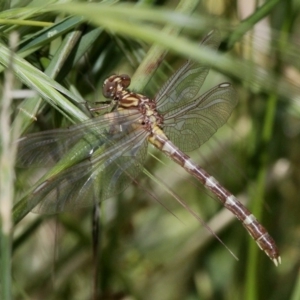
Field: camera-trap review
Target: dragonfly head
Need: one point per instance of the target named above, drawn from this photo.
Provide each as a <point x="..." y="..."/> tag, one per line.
<point x="115" y="84"/>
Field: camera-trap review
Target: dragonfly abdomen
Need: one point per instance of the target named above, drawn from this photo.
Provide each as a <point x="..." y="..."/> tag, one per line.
<point x="254" y="228"/>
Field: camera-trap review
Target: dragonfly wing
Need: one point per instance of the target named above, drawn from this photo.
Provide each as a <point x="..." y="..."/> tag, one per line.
<point x="108" y="172"/>
<point x="192" y="124"/>
<point x="47" y="148"/>
<point x="185" y="84"/>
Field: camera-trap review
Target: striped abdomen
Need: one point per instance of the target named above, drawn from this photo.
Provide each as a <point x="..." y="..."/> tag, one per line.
<point x="255" y="229"/>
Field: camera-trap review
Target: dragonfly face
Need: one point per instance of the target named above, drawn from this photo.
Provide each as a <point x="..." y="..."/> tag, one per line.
<point x="114" y="85"/>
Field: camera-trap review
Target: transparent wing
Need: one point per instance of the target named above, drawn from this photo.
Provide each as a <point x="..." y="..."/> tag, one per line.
<point x="192" y="124"/>
<point x="98" y="157"/>
<point x="47" y="148"/>
<point x="184" y="86"/>
<point x="109" y="171"/>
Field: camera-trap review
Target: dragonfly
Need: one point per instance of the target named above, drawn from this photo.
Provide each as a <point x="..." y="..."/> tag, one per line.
<point x="106" y="154"/>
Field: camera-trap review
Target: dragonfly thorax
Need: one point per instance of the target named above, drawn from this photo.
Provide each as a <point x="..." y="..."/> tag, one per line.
<point x="115" y="87"/>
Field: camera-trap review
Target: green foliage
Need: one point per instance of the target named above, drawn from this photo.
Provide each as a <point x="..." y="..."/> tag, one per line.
<point x="65" y="51"/>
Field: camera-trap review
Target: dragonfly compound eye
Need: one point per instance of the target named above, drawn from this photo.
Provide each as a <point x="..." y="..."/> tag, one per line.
<point x="109" y="89"/>
<point x="110" y="86"/>
<point x="125" y="80"/>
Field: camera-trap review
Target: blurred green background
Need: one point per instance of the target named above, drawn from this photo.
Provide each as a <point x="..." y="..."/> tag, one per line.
<point x="146" y="250"/>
